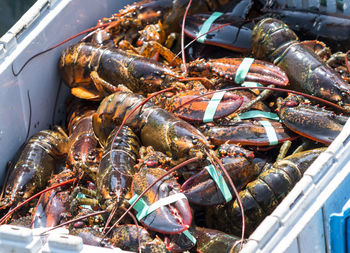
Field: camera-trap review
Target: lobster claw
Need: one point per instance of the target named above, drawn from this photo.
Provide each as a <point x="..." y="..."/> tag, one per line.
<point x="226" y="68"/>
<point x="170" y="218"/>
<point x="235" y="36"/>
<point x="318" y="124"/>
<point x="202" y="189"/>
<point x="188" y="108"/>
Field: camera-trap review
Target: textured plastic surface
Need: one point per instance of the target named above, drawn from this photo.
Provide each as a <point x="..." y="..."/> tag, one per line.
<point x="339" y="225"/>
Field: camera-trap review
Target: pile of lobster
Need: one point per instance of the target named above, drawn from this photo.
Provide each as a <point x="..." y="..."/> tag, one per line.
<point x="190" y="151"/>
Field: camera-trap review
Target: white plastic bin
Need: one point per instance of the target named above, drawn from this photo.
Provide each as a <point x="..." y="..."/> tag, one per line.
<point x="31" y="101"/>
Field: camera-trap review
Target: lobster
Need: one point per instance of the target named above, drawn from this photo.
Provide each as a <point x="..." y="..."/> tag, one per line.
<point x="274" y="41"/>
<point x="177" y="138"/>
<point x="115" y="172"/>
<point x="83" y="153"/>
<point x="35" y="166"/>
<point x="93" y="71"/>
<point x="53" y="206"/>
<point x="117" y="167"/>
<point x="262" y="195"/>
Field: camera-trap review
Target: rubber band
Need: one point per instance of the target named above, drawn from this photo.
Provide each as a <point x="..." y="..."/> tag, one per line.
<point x="251" y="84"/>
<point x="257" y="114"/>
<point x="212" y="106"/>
<point x="82" y="196"/>
<point x="143" y="209"/>
<point x="190" y="236"/>
<point x="270" y="131"/>
<point x="243" y="70"/>
<point x="219" y="180"/>
<point x="206" y="26"/>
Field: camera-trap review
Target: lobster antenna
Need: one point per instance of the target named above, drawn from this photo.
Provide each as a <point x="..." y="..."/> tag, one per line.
<point x="268" y="88"/>
<point x="235" y="191"/>
<point x="55" y="46"/>
<point x="191" y="160"/>
<point x="30" y="116"/>
<point x="195" y="39"/>
<point x="2" y="220"/>
<point x="137" y="229"/>
<point x="74" y="220"/>
<point x="128" y="116"/>
<point x="183" y="37"/>
<point x="114" y="209"/>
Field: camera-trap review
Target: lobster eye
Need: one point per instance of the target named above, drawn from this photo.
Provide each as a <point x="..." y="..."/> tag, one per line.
<point x="111" y="193"/>
<point x="76" y="157"/>
<point x="91" y="158"/>
<point x="20" y="193"/>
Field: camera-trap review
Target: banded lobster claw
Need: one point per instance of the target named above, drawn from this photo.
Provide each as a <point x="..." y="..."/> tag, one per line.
<point x="235" y="36"/>
<point x="310" y="121"/>
<point x="227" y="68"/>
<point x="202" y="189"/>
<point x="165" y="218"/>
<point x="195" y="110"/>
<point x="234" y="33"/>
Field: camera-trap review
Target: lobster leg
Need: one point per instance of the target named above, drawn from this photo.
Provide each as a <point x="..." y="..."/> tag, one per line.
<point x="104" y="87"/>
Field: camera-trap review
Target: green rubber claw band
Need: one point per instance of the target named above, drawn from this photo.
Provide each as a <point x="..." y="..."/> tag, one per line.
<point x="206" y="26"/>
<point x="189" y="236"/>
<point x="270" y="131"/>
<point x="251" y="84"/>
<point x="219" y="180"/>
<point x="212" y="106"/>
<point x="143" y="209"/>
<point x="139" y="206"/>
<point x="243" y="70"/>
<point x="258" y="114"/>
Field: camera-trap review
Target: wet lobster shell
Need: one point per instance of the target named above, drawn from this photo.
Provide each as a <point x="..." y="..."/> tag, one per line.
<point x="262" y="195"/>
<point x="201" y="189"/>
<point x="246" y="132"/>
<point x="310" y="121"/>
<point x="274" y="41"/>
<point x="173" y="218"/>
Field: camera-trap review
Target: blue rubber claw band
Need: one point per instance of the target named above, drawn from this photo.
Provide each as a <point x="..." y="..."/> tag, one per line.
<point x="190" y="236"/>
<point x="270" y="131"/>
<point x="257" y="114"/>
<point x="206" y="26"/>
<point x="219" y="180"/>
<point x="243" y="70"/>
<point x="212" y="106"/>
<point x="143" y="209"/>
